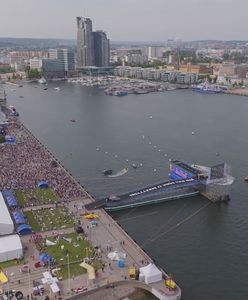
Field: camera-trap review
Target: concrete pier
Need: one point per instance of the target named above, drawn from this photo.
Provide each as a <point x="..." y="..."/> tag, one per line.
<point x="107" y="236"/>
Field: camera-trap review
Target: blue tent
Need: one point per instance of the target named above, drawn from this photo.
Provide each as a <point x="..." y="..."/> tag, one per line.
<point x="45" y="258"/>
<point x="121" y="263"/>
<point x="7" y="193"/>
<point x="10" y="139"/>
<point x="18" y="217"/>
<point x="42" y="184"/>
<point x="11" y="200"/>
<point x="24" y="229"/>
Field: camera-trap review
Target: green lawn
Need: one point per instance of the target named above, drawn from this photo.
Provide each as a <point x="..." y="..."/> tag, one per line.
<point x="35" y="197"/>
<point x="48" y="219"/>
<point x="77" y="250"/>
<point x="11" y="263"/>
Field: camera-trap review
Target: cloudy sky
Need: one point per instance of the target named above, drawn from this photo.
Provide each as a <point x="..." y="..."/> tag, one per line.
<point x="127" y="20"/>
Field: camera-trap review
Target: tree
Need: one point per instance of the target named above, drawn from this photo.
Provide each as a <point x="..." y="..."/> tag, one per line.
<point x="33" y="73"/>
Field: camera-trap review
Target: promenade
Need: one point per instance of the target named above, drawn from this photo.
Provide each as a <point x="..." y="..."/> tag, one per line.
<point x="29" y="161"/>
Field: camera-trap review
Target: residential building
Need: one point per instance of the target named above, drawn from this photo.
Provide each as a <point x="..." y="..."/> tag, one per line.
<point x="196" y="69"/>
<point x="241" y="71"/>
<point x="154" y="52"/>
<point x="227" y="70"/>
<point x="35" y="63"/>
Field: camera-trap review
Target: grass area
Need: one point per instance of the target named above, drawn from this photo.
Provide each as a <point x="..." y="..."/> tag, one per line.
<point x="48" y="219"/>
<point x="11" y="263"/>
<point x="77" y="248"/>
<point x="35" y="197"/>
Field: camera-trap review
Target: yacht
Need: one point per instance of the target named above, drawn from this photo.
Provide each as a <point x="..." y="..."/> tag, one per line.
<point x="42" y="80"/>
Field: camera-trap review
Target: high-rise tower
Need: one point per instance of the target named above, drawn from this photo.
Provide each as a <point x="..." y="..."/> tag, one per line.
<point x="101" y="49"/>
<point x="85" y="47"/>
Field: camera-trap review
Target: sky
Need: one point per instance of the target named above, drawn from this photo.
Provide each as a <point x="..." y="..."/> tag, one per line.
<point x="127" y="20"/>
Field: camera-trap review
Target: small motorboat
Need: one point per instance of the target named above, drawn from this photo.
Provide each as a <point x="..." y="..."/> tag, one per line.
<point x="45" y="88"/>
<point x="135" y="166"/>
<point x="108" y="172"/>
<point x="246" y="178"/>
<point x="72" y="120"/>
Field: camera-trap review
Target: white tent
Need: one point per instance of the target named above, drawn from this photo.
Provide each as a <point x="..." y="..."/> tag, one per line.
<point x="116" y="255"/>
<point x="10" y="247"/>
<point x="150" y="273"/>
<point x="6" y="223"/>
<point x="51" y="281"/>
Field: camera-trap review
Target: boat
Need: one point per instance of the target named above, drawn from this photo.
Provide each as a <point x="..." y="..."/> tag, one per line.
<point x="206" y="88"/>
<point x="246" y="178"/>
<point x="186" y="180"/>
<point x="72" y="120"/>
<point x="42" y="80"/>
<point x="57" y="88"/>
<point x="45" y="88"/>
<point x="108" y="172"/>
<point x="171" y="88"/>
<point x="140" y="91"/>
<point x="13" y="111"/>
<point x="119" y="93"/>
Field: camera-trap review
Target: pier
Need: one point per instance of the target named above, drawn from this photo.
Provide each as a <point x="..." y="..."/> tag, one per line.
<point x="106" y="236"/>
<point x="186" y="181"/>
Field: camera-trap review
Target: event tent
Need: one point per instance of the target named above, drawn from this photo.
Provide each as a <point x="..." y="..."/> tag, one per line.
<point x="10" y="247"/>
<point x="6" y="223"/>
<point x="45" y="258"/>
<point x="11" y="200"/>
<point x="24" y="229"/>
<point x="42" y="184"/>
<point x="10" y="139"/>
<point x="150" y="273"/>
<point x="18" y="217"/>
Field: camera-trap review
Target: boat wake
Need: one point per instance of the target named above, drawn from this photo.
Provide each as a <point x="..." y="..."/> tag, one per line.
<point x="120" y="173"/>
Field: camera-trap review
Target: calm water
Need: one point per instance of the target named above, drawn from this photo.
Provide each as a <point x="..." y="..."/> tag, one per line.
<point x="207" y="254"/>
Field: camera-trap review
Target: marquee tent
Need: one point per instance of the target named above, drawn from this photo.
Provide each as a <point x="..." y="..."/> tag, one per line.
<point x="6" y="223"/>
<point x="42" y="184"/>
<point x="10" y="247"/>
<point x="18" y="217"/>
<point x="150" y="273"/>
<point x="7" y="193"/>
<point x="11" y="200"/>
<point x="10" y="139"/>
<point x="24" y="229"/>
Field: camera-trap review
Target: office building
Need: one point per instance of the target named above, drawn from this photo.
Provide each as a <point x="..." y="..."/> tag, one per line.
<point x="53" y="68"/>
<point x="65" y="56"/>
<point x="92" y="47"/>
<point x="85" y="47"/>
<point x="101" y="49"/>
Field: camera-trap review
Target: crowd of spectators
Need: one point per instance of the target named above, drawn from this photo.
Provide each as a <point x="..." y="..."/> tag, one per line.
<point x="27" y="162"/>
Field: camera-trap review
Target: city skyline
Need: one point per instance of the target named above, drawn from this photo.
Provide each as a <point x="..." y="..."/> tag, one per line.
<point x="127" y="20"/>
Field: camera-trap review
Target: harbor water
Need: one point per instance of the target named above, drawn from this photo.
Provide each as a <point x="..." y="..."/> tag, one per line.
<point x="203" y="245"/>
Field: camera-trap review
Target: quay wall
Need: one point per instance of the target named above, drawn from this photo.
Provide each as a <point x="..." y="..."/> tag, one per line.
<point x="122" y="233"/>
